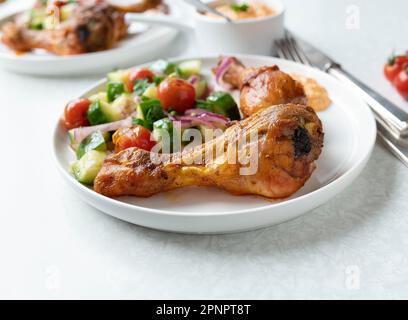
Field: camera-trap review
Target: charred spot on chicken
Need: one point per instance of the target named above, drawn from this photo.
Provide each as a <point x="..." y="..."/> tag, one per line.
<point x="301" y="142"/>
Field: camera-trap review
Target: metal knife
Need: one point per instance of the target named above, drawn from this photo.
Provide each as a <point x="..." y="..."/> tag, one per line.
<point x="392" y="144"/>
<point x="393" y="115"/>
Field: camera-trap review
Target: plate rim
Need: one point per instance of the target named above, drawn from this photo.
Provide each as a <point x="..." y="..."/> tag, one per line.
<point x="168" y="213"/>
<point x="159" y="32"/>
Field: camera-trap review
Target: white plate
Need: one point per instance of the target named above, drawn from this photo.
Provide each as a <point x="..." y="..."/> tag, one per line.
<point x="149" y="44"/>
<point x="350" y="134"/>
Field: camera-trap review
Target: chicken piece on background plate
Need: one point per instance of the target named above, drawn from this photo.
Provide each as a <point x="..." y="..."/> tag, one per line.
<point x="66" y="28"/>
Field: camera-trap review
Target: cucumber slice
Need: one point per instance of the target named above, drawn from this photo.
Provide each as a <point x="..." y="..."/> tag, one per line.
<point x="87" y="168"/>
<point x="99" y="96"/>
<point x="95" y="141"/>
<point x="201" y="89"/>
<point x="119" y="109"/>
<point x="114" y="90"/>
<point x="122" y="107"/>
<point x="67" y="10"/>
<point x="222" y="103"/>
<point x="151" y="92"/>
<point x="95" y="113"/>
<point x="163" y="67"/>
<point x="163" y="133"/>
<point x="111" y="111"/>
<point x="190" y="68"/>
<point x="74" y="143"/>
<point x="37" y="17"/>
<point x="140" y="113"/>
<point x="119" y="76"/>
<point x="50" y="23"/>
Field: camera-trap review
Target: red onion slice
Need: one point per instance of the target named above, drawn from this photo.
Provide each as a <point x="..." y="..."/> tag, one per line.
<point x="220" y="72"/>
<point x="81" y="133"/>
<point x="137" y="99"/>
<point x="193" y="79"/>
<point x="204" y="117"/>
<point x="198" y="111"/>
<point x="184" y="123"/>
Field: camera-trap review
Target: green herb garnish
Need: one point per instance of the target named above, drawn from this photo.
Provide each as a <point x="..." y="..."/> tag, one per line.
<point x="242" y="7"/>
<point x="157" y="80"/>
<point x="95" y="141"/>
<point x="163" y="67"/>
<point x="137" y="122"/>
<point x="140" y="86"/>
<point x="151" y="112"/>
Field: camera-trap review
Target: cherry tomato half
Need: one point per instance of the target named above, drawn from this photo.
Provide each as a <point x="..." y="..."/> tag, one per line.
<point x="176" y="94"/>
<point x="139" y="74"/>
<point x="401" y="83"/>
<point x="138" y="137"/>
<point x="75" y="113"/>
<point x="394" y="66"/>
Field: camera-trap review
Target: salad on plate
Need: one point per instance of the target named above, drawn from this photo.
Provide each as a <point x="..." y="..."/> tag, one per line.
<point x="139" y="107"/>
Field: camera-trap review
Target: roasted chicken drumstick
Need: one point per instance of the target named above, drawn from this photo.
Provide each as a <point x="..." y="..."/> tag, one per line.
<point x="288" y="140"/>
<point x="90" y="28"/>
<point x="260" y="87"/>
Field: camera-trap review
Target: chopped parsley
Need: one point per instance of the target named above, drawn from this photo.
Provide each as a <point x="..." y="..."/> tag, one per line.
<point x="140" y="86"/>
<point x="242" y="7"/>
<point x="151" y="111"/>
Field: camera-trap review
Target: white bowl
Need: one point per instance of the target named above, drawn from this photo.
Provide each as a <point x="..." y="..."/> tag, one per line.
<point x="215" y="35"/>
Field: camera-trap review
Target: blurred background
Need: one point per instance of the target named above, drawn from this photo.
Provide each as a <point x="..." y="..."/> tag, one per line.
<point x="360" y="34"/>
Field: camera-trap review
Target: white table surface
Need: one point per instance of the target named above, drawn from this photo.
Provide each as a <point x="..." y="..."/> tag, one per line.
<point x="52" y="245"/>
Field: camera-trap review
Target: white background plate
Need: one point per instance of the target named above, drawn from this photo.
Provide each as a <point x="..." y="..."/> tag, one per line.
<point x="349" y="138"/>
<point x="148" y="45"/>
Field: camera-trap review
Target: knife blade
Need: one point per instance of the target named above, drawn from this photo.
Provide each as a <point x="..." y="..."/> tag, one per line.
<point x="395" y="116"/>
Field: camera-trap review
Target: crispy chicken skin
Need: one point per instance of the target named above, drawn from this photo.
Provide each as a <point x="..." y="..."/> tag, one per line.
<point x="92" y="27"/>
<point x="267" y="86"/>
<point x="261" y="87"/>
<point x="289" y="140"/>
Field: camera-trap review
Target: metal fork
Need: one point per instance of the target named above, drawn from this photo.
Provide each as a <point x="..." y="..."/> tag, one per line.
<point x="288" y="48"/>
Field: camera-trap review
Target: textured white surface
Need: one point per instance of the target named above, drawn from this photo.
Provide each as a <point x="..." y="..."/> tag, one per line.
<point x="54" y="246"/>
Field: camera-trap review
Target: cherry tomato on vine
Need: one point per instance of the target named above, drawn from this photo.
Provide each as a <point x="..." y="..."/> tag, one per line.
<point x="394" y="66"/>
<point x="401" y="83"/>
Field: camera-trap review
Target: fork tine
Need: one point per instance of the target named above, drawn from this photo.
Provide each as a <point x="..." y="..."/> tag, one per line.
<point x="296" y="50"/>
<point x="290" y="49"/>
<point x="284" y="51"/>
<point x="279" y="49"/>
